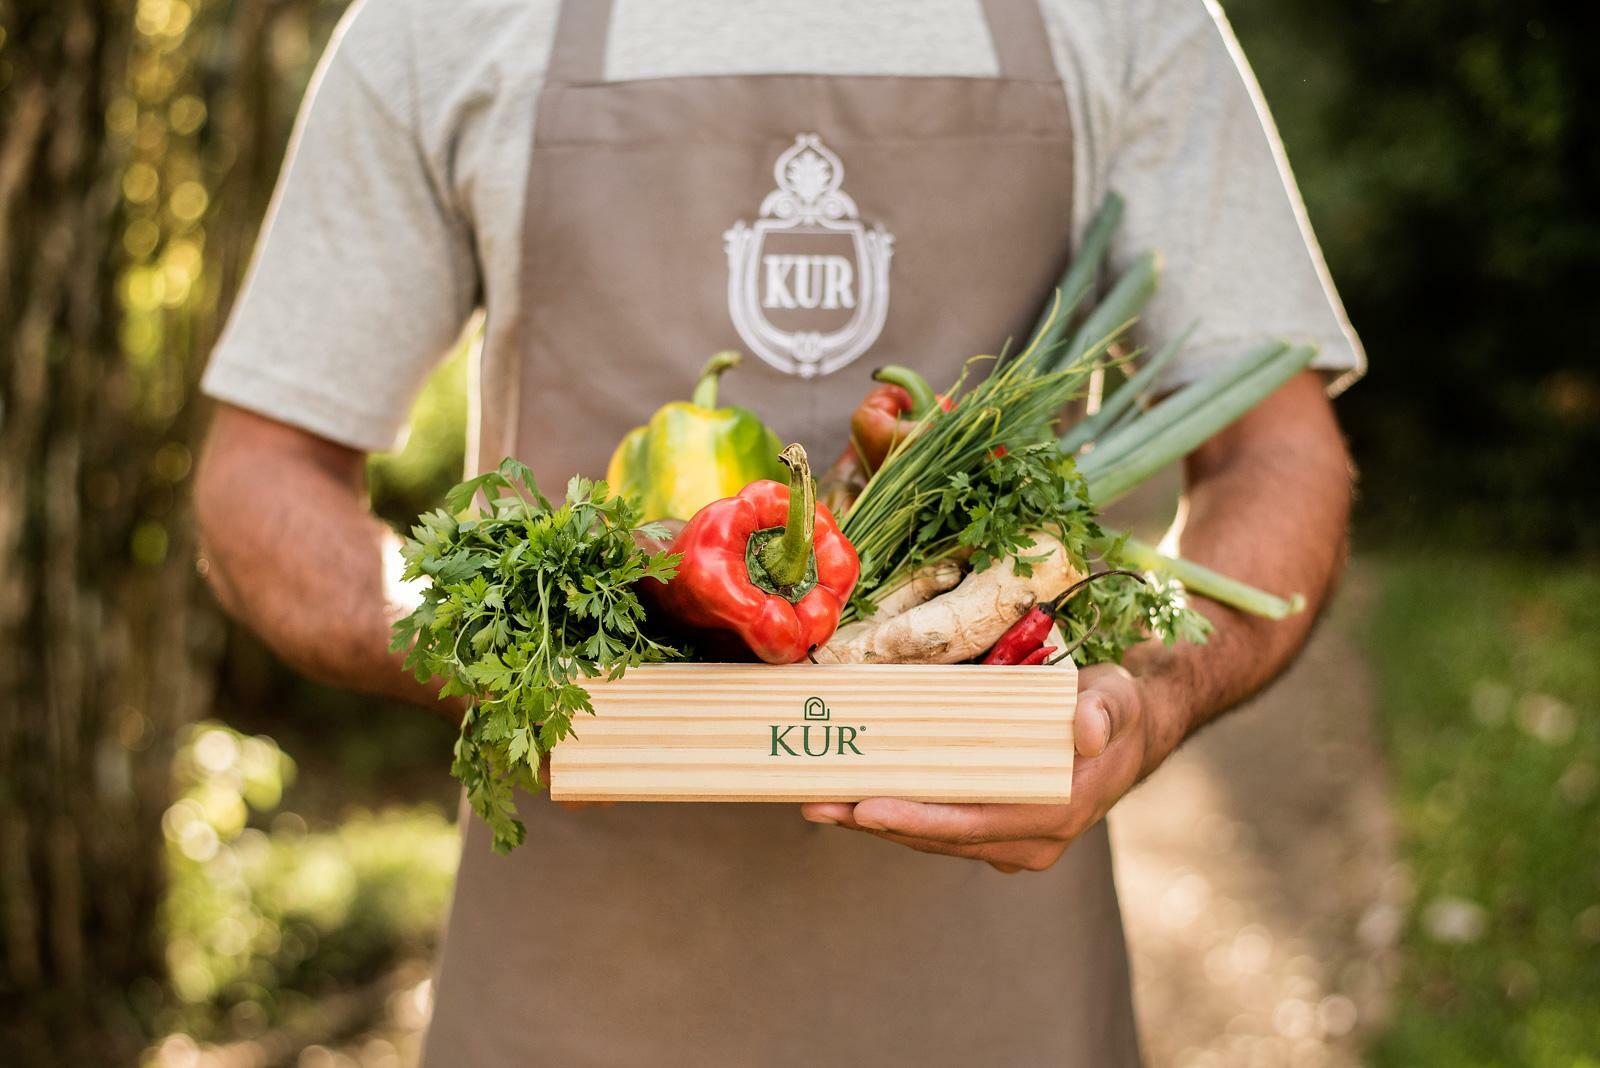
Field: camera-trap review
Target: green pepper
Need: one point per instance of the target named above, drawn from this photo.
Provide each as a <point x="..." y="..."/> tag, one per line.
<point x="692" y="453"/>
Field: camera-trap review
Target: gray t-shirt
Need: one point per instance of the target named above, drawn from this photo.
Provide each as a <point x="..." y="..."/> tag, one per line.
<point x="400" y="207"/>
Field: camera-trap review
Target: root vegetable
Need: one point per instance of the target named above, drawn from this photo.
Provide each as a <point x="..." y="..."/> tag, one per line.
<point x="925" y="583"/>
<point x="960" y="624"/>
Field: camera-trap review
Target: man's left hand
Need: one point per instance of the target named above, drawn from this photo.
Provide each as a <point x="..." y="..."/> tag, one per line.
<point x="1111" y="735"/>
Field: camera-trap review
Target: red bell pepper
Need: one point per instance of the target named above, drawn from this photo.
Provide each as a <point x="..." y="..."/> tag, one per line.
<point x="768" y="566"/>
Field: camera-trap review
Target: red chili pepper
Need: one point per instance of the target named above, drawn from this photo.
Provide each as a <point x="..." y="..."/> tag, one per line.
<point x="767" y="565"/>
<point x="1021" y="642"/>
<point x="1021" y="638"/>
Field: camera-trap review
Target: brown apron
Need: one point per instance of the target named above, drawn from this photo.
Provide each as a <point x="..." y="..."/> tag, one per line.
<point x="824" y="225"/>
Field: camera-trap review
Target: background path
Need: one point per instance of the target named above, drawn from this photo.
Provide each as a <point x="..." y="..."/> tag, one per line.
<point x="1258" y="876"/>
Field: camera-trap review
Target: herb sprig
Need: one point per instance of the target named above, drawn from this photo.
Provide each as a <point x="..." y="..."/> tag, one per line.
<point x="525" y="602"/>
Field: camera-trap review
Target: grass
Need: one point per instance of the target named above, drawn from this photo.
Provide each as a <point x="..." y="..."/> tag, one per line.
<point x="1490" y="688"/>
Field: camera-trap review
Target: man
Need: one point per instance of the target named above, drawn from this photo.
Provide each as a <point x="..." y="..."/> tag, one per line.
<point x="626" y="187"/>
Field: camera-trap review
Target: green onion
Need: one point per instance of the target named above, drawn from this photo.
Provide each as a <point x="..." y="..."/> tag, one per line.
<point x="1075" y="284"/>
<point x="1197" y="396"/>
<point x="1008" y="406"/>
<point x="1116" y="311"/>
<point x="1111" y="411"/>
<point x="1209" y="583"/>
<point x="1159" y="439"/>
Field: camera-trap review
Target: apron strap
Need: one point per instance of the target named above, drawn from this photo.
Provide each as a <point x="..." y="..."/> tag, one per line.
<point x="1017" y="28"/>
<point x="578" y="51"/>
<point x="1021" y="40"/>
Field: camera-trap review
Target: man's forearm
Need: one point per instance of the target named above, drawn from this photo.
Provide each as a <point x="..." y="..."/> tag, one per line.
<point x="1266" y="501"/>
<point x="294" y="554"/>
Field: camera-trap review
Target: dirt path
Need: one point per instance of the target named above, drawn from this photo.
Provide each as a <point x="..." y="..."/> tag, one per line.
<point x="1258" y="876"/>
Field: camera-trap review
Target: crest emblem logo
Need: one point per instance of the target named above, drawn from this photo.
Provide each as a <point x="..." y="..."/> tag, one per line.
<point x="808" y="283"/>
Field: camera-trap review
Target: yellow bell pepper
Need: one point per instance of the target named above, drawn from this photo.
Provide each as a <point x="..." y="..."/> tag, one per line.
<point x="692" y="452"/>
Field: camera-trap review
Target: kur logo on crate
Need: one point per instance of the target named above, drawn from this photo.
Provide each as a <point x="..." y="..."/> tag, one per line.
<point x="816" y="736"/>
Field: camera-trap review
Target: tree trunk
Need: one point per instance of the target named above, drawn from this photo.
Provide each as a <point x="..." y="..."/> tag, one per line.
<point x="138" y="147"/>
<point x="100" y="640"/>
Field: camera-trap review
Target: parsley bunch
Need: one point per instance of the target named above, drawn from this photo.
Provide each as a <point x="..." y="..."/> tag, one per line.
<point x="524" y="602"/>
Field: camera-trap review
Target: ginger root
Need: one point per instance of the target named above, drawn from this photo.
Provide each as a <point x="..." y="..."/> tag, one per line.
<point x="924" y="583"/>
<point x="957" y="625"/>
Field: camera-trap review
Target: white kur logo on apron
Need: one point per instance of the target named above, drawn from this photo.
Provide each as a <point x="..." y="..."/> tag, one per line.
<point x="808" y="284"/>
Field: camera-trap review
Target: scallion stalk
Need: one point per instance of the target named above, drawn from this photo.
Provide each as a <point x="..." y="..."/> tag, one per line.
<point x="1112" y="316"/>
<point x="1078" y="279"/>
<point x="1091" y="427"/>
<point x="1199" y="579"/>
<point x="1114" y="445"/>
<point x="1109" y="477"/>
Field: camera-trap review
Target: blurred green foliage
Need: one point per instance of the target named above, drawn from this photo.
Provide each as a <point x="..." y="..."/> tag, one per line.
<point x="1490" y="686"/>
<point x="412" y="480"/>
<point x="1449" y="153"/>
<point x="268" y="911"/>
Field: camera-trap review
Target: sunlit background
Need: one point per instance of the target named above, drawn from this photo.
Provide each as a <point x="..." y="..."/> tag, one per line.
<point x="1393" y="859"/>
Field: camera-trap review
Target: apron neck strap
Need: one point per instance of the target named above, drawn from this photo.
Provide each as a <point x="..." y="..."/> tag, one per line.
<point x="1021" y="40"/>
<point x="578" y="51"/>
<point x="1017" y="28"/>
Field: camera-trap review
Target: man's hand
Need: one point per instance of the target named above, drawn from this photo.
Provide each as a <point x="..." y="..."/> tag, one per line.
<point x="1110" y="737"/>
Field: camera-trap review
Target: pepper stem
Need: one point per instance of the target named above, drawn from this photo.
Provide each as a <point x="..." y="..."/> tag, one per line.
<point x="705" y="389"/>
<point x="787" y="556"/>
<point x="923" y="398"/>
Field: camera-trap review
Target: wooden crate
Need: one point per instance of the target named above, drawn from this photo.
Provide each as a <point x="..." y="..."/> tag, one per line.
<point x="751" y="732"/>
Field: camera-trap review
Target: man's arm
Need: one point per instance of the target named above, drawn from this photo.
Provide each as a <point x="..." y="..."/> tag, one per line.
<point x="293" y="553"/>
<point x="1267" y="501"/>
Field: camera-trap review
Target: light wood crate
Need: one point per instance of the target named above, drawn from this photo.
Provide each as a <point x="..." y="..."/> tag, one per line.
<point x="753" y="732"/>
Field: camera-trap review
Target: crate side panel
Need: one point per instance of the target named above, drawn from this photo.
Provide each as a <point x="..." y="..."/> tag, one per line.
<point x="730" y="732"/>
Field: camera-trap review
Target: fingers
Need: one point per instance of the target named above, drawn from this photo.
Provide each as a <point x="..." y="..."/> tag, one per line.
<point x="1091" y="727"/>
<point x="958" y="824"/>
<point x="1107" y="702"/>
<point x="830" y="812"/>
<point x="954" y="833"/>
<point x="1028" y="854"/>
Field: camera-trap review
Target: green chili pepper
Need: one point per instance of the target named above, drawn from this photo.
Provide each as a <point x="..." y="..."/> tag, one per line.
<point x="692" y="452"/>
